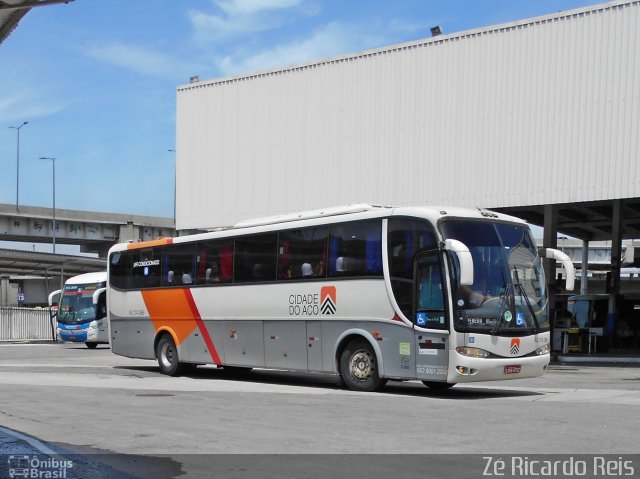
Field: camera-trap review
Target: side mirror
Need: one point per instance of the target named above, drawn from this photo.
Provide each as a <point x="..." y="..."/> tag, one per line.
<point x="464" y="258"/>
<point x="97" y="293"/>
<point x="53" y="300"/>
<point x="567" y="264"/>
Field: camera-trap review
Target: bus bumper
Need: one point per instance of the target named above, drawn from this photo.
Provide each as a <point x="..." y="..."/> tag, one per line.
<point x="465" y="369"/>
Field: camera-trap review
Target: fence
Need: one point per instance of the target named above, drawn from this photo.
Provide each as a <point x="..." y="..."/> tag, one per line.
<point x="26" y="324"/>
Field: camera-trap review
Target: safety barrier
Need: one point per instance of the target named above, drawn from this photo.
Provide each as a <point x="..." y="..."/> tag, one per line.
<point x="26" y="324"/>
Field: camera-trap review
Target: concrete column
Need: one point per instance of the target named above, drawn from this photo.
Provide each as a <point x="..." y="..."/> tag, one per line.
<point x="585" y="267"/>
<point x="550" y="240"/>
<point x="4" y="291"/>
<point x="130" y="232"/>
<point x="616" y="253"/>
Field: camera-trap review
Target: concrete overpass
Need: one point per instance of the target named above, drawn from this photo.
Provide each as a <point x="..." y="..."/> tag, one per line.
<point x="32" y="275"/>
<point x="94" y="232"/>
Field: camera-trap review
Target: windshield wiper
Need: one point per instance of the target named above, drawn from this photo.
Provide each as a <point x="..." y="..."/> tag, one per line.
<point x="518" y="285"/>
<point x="504" y="297"/>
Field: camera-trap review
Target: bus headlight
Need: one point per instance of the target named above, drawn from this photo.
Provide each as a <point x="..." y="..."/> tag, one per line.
<point x="546" y="349"/>
<point x="472" y="352"/>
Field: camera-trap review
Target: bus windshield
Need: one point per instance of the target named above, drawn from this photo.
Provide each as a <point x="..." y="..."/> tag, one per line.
<point x="76" y="305"/>
<point x="508" y="294"/>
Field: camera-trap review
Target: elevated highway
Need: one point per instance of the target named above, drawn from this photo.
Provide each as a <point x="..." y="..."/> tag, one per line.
<point x="32" y="275"/>
<point x="94" y="232"/>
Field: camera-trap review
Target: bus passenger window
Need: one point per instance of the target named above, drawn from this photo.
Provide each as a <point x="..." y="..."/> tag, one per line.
<point x="297" y="248"/>
<point x="355" y="249"/>
<point x="214" y="262"/>
<point x="255" y="258"/>
<point x="145" y="272"/>
<point x="120" y="270"/>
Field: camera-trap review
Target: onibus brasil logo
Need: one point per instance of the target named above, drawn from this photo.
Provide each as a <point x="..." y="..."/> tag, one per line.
<point x="38" y="467"/>
<point x="314" y="304"/>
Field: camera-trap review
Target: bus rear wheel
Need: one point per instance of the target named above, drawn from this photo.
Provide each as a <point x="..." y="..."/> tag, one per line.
<point x="91" y="345"/>
<point x="167" y="354"/>
<point x="359" y="367"/>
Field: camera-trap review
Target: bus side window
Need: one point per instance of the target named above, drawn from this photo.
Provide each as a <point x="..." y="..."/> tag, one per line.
<point x="355" y="249"/>
<point x="255" y="258"/>
<point x="405" y="238"/>
<point x="120" y="269"/>
<point x="297" y="248"/>
<point x="101" y="307"/>
<point x="145" y="271"/>
<point x="178" y="264"/>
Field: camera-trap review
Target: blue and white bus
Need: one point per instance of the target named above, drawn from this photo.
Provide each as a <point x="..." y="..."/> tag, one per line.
<point x="82" y="309"/>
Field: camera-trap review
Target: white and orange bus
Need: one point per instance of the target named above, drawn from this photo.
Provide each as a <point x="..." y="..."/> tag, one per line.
<point x="441" y="295"/>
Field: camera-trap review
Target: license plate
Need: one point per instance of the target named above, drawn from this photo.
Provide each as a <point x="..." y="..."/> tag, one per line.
<point x="515" y="369"/>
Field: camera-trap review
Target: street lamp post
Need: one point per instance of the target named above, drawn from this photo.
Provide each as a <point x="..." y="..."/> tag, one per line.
<point x="174" y="187"/>
<point x="17" y="128"/>
<point x="53" y="232"/>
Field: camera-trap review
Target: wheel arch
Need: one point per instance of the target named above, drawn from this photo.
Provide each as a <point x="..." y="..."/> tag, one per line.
<point x="161" y="332"/>
<point x="356" y="333"/>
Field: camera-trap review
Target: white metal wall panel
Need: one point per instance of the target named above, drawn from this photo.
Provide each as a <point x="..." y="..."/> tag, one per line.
<point x="544" y="110"/>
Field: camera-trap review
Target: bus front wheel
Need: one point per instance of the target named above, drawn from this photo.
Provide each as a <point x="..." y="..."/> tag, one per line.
<point x="359" y="367"/>
<point x="167" y="354"/>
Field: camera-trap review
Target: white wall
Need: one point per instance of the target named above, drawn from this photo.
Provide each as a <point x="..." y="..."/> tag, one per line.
<point x="544" y="110"/>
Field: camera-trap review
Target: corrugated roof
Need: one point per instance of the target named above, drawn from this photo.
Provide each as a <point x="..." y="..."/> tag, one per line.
<point x="12" y="11"/>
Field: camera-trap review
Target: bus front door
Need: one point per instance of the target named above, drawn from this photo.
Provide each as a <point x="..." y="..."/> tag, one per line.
<point x="430" y="317"/>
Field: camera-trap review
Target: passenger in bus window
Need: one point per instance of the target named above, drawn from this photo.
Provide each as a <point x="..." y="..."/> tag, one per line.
<point x="307" y="270"/>
<point x="212" y="274"/>
<point x="288" y="272"/>
<point x="319" y="269"/>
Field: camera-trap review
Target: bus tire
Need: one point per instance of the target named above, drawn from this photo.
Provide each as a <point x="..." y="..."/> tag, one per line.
<point x="359" y="367"/>
<point x="91" y="345"/>
<point x="437" y="386"/>
<point x="167" y="355"/>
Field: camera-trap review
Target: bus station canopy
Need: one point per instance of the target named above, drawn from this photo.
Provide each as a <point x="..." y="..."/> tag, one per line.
<point x="12" y="11"/>
<point x="16" y="262"/>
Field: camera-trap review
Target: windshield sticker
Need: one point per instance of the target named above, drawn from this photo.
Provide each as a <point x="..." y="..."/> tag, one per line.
<point x="421" y="318"/>
<point x="519" y="318"/>
<point x="508" y="316"/>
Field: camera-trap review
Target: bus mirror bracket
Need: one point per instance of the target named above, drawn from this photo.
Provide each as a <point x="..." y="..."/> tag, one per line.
<point x="464" y="258"/>
<point x="97" y="293"/>
<point x="567" y="264"/>
<point x="52" y="296"/>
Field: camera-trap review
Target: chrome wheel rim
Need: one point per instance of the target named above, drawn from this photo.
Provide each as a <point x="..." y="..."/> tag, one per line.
<point x="167" y="355"/>
<point x="361" y="365"/>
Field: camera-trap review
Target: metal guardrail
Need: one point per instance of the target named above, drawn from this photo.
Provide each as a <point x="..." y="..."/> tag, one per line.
<point x="26" y="324"/>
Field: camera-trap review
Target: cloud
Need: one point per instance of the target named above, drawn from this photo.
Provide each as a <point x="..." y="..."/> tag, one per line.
<point x="135" y="58"/>
<point x="237" y="18"/>
<point x="29" y="104"/>
<point x="329" y="40"/>
<point x="249" y="7"/>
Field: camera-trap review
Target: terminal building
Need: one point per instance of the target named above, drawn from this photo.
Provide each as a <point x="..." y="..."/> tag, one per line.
<point x="537" y="118"/>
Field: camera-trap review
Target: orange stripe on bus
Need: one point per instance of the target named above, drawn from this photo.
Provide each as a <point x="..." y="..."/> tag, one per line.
<point x="169" y="308"/>
<point x="149" y="244"/>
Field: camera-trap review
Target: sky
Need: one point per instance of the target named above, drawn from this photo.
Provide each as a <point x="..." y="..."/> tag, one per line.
<point x="96" y="80"/>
